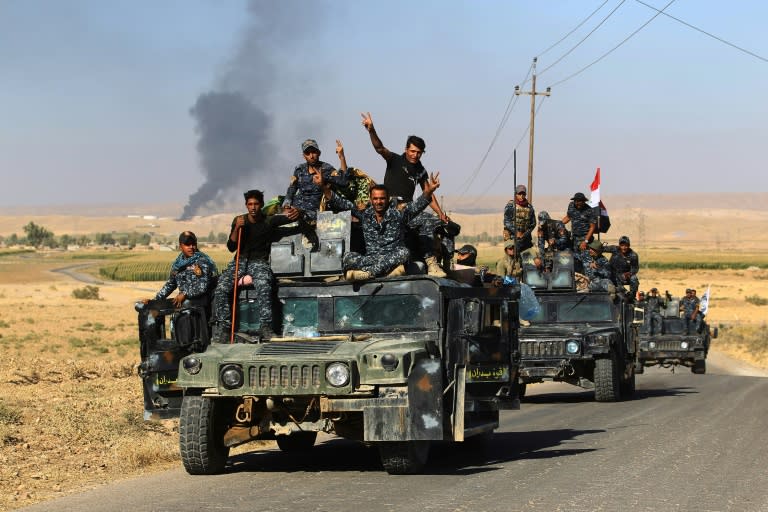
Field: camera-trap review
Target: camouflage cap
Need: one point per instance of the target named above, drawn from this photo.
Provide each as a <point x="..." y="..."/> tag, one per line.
<point x="543" y="215"/>
<point x="510" y="244"/>
<point x="309" y="143"/>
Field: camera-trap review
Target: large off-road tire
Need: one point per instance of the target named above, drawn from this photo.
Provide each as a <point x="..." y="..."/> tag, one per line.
<point x="297" y="441"/>
<point x="607" y="379"/>
<point x="627" y="387"/>
<point x="403" y="457"/>
<point x="699" y="367"/>
<point x="201" y="436"/>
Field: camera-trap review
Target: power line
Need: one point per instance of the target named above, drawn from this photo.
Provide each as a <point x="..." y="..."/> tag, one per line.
<point x="614" y="48"/>
<point x="574" y="29"/>
<point x="704" y="32"/>
<point x="510" y="106"/>
<point x="584" y="38"/>
<point x="520" y="141"/>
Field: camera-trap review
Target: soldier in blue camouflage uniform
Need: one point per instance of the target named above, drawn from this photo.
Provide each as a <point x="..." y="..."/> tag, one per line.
<point x="383" y="227"/>
<point x="689" y="306"/>
<point x="551" y="234"/>
<point x="303" y="194"/>
<point x="257" y="232"/>
<point x="584" y="224"/>
<point x="625" y="264"/>
<point x="597" y="268"/>
<point x="520" y="220"/>
<point x="402" y="175"/>
<point x="654" y="304"/>
<point x="192" y="272"/>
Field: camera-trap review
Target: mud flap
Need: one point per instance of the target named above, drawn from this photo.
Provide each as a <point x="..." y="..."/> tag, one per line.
<point x="418" y="416"/>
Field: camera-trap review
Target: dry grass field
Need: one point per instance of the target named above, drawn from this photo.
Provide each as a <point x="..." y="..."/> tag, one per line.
<point x="71" y="403"/>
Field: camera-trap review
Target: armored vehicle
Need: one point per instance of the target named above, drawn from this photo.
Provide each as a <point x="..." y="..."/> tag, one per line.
<point x="396" y="363"/>
<point x="672" y="347"/>
<point x="585" y="338"/>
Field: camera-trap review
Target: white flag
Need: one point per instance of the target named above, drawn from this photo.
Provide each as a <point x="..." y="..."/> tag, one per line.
<point x="704" y="302"/>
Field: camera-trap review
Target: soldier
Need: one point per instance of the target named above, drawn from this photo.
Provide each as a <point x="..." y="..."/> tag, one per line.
<point x="303" y="194"/>
<point x="509" y="264"/>
<point x="625" y="264"/>
<point x="597" y="268"/>
<point x="584" y="225"/>
<point x="257" y="232"/>
<point x="551" y="234"/>
<point x="402" y="175"/>
<point x="689" y="306"/>
<point x="193" y="272"/>
<point x="383" y="227"/>
<point x="520" y="219"/>
<point x="466" y="255"/>
<point x="655" y="303"/>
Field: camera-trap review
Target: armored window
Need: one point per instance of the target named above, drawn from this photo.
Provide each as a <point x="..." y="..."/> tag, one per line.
<point x="383" y="311"/>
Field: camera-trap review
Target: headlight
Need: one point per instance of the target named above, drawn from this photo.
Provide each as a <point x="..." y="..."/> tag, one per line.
<point x="684" y="345"/>
<point x="192" y="365"/>
<point x="231" y="376"/>
<point x="337" y="374"/>
<point x="652" y="344"/>
<point x="572" y="347"/>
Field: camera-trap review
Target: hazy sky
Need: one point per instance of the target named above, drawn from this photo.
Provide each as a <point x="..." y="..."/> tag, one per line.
<point x="96" y="97"/>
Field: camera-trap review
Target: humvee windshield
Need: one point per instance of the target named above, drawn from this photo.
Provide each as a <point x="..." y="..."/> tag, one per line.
<point x="576" y="310"/>
<point x="301" y="312"/>
<point x="377" y="311"/>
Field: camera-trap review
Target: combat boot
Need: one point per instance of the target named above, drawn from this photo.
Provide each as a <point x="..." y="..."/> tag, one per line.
<point x="357" y="275"/>
<point x="397" y="271"/>
<point x="433" y="269"/>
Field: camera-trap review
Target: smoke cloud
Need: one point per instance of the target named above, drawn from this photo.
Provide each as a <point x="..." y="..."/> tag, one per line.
<point x="235" y="121"/>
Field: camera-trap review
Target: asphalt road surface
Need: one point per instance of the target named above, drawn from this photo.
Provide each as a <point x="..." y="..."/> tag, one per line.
<point x="684" y="443"/>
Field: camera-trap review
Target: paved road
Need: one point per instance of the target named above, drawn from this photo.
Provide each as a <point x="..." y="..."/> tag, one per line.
<point x="685" y="443"/>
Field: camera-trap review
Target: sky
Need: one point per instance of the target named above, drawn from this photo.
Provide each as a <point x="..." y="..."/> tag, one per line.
<point x="191" y="102"/>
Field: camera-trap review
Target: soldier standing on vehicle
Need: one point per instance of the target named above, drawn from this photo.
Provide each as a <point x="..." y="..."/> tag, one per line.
<point x="551" y="234"/>
<point x="655" y="303"/>
<point x="383" y="227"/>
<point x="256" y="233"/>
<point x="193" y="272"/>
<point x="689" y="306"/>
<point x="520" y="220"/>
<point x="625" y="263"/>
<point x="303" y="194"/>
<point x="584" y="224"/>
<point x="402" y="175"/>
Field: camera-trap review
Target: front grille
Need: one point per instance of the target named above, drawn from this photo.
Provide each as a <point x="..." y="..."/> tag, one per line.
<point x="296" y="348"/>
<point x="543" y="348"/>
<point x="297" y="377"/>
<point x="668" y="345"/>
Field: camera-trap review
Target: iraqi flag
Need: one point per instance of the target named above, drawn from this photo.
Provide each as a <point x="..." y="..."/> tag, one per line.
<point x="704" y="302"/>
<point x="603" y="220"/>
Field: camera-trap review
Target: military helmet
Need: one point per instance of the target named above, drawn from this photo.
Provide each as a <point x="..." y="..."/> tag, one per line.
<point x="596" y="246"/>
<point x="624" y="240"/>
<point x="543" y="215"/>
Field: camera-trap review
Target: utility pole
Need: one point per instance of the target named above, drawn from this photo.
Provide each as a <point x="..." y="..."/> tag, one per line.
<point x="533" y="94"/>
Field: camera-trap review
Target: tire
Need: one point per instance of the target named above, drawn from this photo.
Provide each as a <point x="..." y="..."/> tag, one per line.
<point x="297" y="441"/>
<point x="699" y="367"/>
<point x="627" y="387"/>
<point x="403" y="457"/>
<point x="201" y="435"/>
<point x="607" y="379"/>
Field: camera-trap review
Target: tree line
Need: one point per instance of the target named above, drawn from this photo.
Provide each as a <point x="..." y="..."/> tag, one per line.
<point x="40" y="237"/>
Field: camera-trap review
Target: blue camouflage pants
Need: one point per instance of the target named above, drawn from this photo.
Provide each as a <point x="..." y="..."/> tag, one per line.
<point x="423" y="227"/>
<point x="378" y="265"/>
<point x="263" y="281"/>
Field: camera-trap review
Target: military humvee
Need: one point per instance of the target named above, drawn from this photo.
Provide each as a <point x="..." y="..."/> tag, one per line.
<point x="394" y="362"/>
<point x="588" y="339"/>
<point x="672" y="347"/>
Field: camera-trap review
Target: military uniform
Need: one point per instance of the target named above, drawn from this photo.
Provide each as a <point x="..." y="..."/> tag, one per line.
<point x="580" y="222"/>
<point x="690" y="305"/>
<point x="520" y="218"/>
<point x="255" y="243"/>
<point x="600" y="274"/>
<point x="654" y="304"/>
<point x="193" y="276"/>
<point x="552" y="230"/>
<point x="385" y="241"/>
<point x="623" y="264"/>
<point x="509" y="266"/>
<point x="305" y="195"/>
